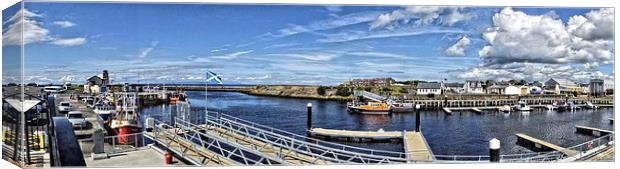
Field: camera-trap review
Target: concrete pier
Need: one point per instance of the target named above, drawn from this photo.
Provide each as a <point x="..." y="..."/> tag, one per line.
<point x="541" y="145"/>
<point x="592" y="131"/>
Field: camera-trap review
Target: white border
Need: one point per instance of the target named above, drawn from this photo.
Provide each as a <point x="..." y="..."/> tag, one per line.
<point x="529" y="3"/>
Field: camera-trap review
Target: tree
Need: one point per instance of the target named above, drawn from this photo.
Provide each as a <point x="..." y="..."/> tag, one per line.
<point x="343" y="91"/>
<point x="321" y="90"/>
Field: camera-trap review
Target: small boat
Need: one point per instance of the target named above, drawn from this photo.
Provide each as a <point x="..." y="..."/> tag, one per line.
<point x="176" y="97"/>
<point x="522" y="106"/>
<point x="401" y="107"/>
<point x="561" y="106"/>
<point x="104" y="110"/>
<point x="589" y="105"/>
<point x="550" y="107"/>
<point x="370" y="108"/>
<point x="505" y="109"/>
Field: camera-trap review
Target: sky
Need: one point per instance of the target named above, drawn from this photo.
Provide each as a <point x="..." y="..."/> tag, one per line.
<point x="302" y="44"/>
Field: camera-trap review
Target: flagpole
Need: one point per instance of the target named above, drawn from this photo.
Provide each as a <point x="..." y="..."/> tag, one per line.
<point x="206" y="98"/>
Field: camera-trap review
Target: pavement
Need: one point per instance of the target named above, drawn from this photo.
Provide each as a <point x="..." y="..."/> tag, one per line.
<point x="147" y="157"/>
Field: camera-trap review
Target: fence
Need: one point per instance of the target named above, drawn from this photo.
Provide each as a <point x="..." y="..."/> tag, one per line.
<point x="111" y="145"/>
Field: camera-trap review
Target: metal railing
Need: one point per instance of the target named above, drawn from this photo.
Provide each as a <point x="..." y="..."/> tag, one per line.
<point x="221" y="151"/>
<point x="111" y="145"/>
<point x="582" y="150"/>
<point x="302" y="150"/>
<point x="315" y="141"/>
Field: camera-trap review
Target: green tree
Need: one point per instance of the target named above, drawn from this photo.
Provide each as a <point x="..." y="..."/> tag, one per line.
<point x="321" y="90"/>
<point x="343" y="91"/>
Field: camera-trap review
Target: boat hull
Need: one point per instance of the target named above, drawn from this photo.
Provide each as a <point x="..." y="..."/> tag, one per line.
<point x="369" y="111"/>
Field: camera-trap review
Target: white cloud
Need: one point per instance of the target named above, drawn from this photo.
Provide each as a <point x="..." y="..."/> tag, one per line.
<point x="366" y="35"/>
<point x="145" y="52"/>
<point x="420" y="16"/>
<point x="458" y="49"/>
<point x="64" y="24"/>
<point x="333" y="8"/>
<point x="69" y="41"/>
<point x="311" y="56"/>
<point x="32" y="30"/>
<point x="542" y="46"/>
<point x="332" y="23"/>
<point x="595" y="25"/>
<point x="232" y="55"/>
<point x="377" y="54"/>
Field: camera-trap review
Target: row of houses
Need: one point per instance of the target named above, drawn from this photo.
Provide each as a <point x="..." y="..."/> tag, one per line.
<point x="595" y="87"/>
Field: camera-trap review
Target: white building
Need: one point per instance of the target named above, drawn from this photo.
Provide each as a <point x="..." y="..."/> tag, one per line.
<point x="429" y="88"/>
<point x="473" y="87"/>
<point x="512" y="90"/>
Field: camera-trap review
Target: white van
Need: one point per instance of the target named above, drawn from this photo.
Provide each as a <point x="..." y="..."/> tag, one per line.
<point x="54" y="89"/>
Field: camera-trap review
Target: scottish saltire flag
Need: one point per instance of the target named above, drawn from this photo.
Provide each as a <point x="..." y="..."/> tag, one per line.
<point x="212" y="76"/>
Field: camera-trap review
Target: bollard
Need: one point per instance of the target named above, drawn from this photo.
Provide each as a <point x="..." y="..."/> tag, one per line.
<point x="417" y="118"/>
<point x="494" y="146"/>
<point x="309" y="118"/>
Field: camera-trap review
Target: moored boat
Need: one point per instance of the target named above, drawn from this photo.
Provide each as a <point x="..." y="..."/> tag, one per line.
<point x="126" y="121"/>
<point x="505" y="109"/>
<point x="370" y="108"/>
<point x="522" y="106"/>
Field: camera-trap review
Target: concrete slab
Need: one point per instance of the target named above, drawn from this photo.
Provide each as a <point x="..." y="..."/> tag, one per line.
<point x="147" y="157"/>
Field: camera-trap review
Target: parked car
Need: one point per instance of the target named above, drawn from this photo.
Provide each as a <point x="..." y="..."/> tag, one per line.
<point x="64" y="107"/>
<point x="77" y="119"/>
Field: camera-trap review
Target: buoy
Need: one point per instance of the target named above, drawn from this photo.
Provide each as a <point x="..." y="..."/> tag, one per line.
<point x="168" y="158"/>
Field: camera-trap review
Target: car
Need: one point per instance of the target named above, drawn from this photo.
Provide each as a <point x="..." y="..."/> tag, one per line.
<point x="77" y="119"/>
<point x="64" y="107"/>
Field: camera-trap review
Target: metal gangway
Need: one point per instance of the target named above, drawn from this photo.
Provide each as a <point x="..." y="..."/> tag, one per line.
<point x="372" y="96"/>
<point x="228" y="140"/>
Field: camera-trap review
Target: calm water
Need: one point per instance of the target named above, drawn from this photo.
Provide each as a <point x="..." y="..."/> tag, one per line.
<point x="463" y="133"/>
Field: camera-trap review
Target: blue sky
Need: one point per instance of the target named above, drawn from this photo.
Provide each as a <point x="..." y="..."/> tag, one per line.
<point x="295" y="44"/>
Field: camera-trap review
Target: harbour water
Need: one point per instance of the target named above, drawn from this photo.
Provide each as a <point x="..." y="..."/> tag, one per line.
<point x="463" y="133"/>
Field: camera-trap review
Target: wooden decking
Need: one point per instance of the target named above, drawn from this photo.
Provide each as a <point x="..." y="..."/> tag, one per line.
<point x="357" y="134"/>
<point x="416" y="147"/>
<point x="414" y="143"/>
<point x="605" y="155"/>
<point x="541" y="144"/>
<point x="592" y="131"/>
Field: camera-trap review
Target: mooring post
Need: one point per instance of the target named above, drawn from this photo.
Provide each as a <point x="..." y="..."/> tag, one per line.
<point x="417" y="118"/>
<point x="494" y="146"/>
<point x="309" y="118"/>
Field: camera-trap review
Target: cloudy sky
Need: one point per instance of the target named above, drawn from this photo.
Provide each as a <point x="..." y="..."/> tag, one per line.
<point x="285" y="44"/>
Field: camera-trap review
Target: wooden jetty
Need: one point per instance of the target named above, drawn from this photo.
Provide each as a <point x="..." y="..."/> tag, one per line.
<point x="541" y="145"/>
<point x="415" y="145"/>
<point x="356" y="136"/>
<point x="592" y="131"/>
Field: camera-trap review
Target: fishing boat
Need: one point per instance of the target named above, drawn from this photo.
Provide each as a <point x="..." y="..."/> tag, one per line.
<point x="126" y="120"/>
<point x="401" y="107"/>
<point x="104" y="110"/>
<point x="522" y="106"/>
<point x="176" y="97"/>
<point x="370" y="108"/>
<point x="505" y="109"/>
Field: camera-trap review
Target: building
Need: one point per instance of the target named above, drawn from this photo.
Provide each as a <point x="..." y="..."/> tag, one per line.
<point x="496" y="89"/>
<point x="473" y="87"/>
<point x="453" y="87"/>
<point x="429" y="88"/>
<point x="560" y="86"/>
<point x="596" y="87"/>
<point x="96" y="84"/>
<point x="512" y="90"/>
<point x="382" y="82"/>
